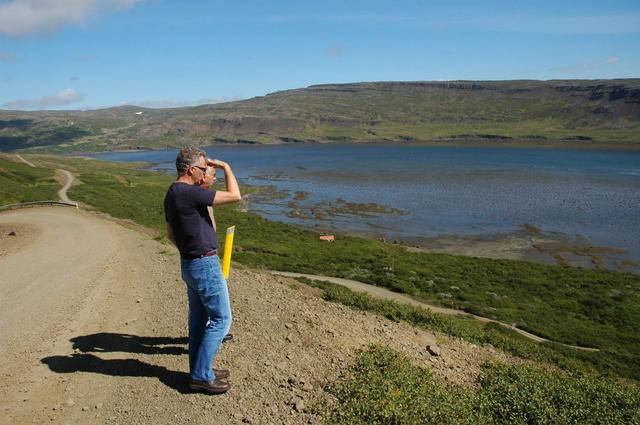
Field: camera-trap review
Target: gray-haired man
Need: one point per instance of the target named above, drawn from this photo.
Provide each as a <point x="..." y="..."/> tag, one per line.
<point x="190" y="228"/>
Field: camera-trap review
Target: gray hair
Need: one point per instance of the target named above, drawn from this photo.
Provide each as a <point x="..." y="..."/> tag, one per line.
<point x="188" y="155"/>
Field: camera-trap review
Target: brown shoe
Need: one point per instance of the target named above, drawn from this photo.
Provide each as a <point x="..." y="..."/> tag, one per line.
<point x="218" y="386"/>
<point x="221" y="373"/>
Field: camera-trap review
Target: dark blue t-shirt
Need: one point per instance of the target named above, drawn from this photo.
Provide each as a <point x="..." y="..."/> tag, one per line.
<point x="185" y="209"/>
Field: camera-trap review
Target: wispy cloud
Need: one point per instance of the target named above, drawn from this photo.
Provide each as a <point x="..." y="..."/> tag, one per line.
<point x="173" y="103"/>
<point x="468" y="21"/>
<point x="334" y="51"/>
<point x="587" y="65"/>
<point x="7" y="57"/>
<point x="23" y="17"/>
<point x="63" y="97"/>
<point x="302" y="19"/>
<point x="578" y="24"/>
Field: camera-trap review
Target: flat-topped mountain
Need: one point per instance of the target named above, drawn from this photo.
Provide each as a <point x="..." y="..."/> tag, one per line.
<point x="557" y="111"/>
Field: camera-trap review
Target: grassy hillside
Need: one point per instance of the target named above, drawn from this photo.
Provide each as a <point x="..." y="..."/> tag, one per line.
<point x="21" y="183"/>
<point x="383" y="387"/>
<point x="572" y="111"/>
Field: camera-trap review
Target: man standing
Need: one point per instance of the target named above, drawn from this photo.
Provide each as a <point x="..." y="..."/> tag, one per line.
<point x="190" y="229"/>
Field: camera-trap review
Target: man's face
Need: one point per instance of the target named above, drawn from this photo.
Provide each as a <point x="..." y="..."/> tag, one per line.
<point x="209" y="178"/>
<point x="198" y="171"/>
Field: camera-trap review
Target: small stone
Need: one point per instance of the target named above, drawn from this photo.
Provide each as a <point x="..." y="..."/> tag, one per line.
<point x="307" y="387"/>
<point x="287" y="325"/>
<point x="70" y="403"/>
<point x="85" y="408"/>
<point x="433" y="349"/>
<point x="139" y="300"/>
<point x="281" y="366"/>
<point x="289" y="338"/>
<point x="99" y="406"/>
<point x="12" y="233"/>
<point x="299" y="405"/>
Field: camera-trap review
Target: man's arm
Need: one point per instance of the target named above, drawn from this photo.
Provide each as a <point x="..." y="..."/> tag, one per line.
<point x="170" y="235"/>
<point x="232" y="194"/>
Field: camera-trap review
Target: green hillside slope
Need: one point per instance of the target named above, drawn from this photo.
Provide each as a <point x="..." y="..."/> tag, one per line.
<point x="572" y="111"/>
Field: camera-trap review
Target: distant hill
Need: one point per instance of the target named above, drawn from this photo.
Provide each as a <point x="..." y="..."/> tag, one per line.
<point x="579" y="111"/>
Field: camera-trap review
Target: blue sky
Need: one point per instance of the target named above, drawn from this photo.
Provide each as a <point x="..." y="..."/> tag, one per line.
<point x="77" y="54"/>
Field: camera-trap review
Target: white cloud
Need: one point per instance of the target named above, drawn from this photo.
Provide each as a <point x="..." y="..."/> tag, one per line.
<point x="7" y="57"/>
<point x="64" y="97"/>
<point x="22" y="17"/>
<point x="172" y="103"/>
<point x="334" y="51"/>
<point x="587" y="65"/>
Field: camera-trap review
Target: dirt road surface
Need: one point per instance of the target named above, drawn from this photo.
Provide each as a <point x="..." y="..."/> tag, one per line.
<point x="93" y="331"/>
<point x="68" y="181"/>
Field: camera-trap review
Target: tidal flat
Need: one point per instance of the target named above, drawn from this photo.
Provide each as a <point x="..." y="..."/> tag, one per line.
<point x="465" y="199"/>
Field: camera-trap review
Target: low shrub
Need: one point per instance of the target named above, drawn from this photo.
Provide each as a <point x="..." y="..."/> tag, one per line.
<point x="384" y="387"/>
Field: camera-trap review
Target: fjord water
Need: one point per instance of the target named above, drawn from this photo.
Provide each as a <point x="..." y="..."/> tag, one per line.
<point x="444" y="190"/>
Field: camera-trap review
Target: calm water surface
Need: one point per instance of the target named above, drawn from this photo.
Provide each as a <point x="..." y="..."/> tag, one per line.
<point x="442" y="190"/>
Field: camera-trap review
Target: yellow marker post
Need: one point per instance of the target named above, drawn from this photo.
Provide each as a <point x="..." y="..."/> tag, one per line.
<point x="228" y="249"/>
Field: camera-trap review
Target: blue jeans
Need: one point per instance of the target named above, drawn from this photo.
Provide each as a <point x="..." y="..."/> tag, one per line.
<point x="209" y="313"/>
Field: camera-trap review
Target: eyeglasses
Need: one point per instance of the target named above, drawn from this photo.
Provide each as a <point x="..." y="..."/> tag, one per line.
<point x="203" y="169"/>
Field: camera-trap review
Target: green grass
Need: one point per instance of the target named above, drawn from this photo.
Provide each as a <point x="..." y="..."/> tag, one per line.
<point x="576" y="306"/>
<point x="22" y="183"/>
<point x="604" y="362"/>
<point x="383" y="387"/>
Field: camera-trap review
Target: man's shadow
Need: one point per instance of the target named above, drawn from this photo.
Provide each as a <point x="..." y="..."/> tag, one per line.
<point x="110" y="342"/>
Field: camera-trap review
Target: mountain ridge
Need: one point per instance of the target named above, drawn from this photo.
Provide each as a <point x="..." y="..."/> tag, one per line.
<point x="553" y="111"/>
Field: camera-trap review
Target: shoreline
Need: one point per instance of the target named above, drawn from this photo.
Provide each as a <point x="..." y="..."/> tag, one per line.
<point x="527" y="243"/>
<point x="478" y="143"/>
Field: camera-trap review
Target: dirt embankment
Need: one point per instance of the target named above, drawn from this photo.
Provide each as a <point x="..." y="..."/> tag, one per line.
<point x="94" y="331"/>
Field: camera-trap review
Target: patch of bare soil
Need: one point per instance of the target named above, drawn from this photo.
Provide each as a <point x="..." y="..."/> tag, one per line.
<point x="94" y="331"/>
<point x="14" y="237"/>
